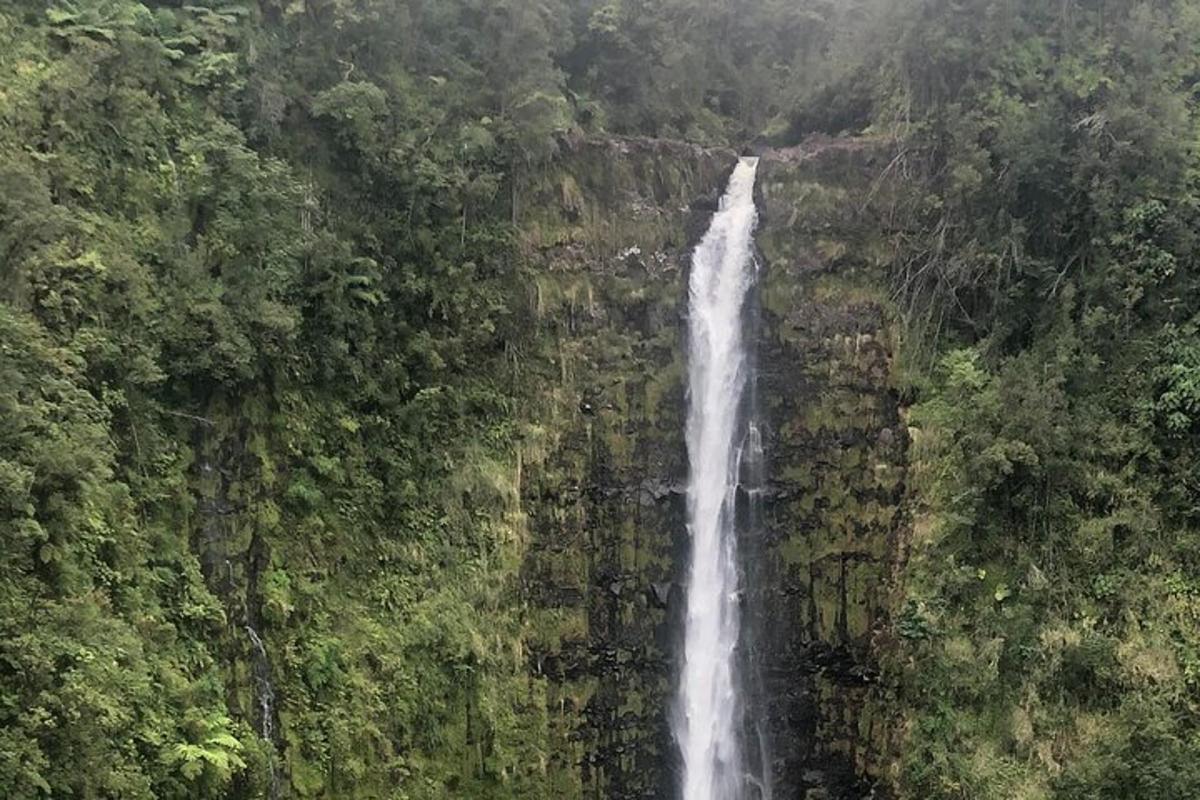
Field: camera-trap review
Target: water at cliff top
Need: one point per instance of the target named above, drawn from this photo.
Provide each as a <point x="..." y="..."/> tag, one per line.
<point x="707" y="721"/>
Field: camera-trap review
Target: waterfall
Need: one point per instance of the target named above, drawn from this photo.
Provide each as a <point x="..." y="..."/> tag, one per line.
<point x="708" y="715"/>
<point x="266" y="704"/>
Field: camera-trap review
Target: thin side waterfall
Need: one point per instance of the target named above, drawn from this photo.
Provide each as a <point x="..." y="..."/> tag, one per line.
<point x="708" y="719"/>
<point x="266" y="704"/>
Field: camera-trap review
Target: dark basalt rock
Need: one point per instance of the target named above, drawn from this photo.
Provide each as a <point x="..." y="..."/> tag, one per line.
<point x="837" y="455"/>
<point x="659" y="594"/>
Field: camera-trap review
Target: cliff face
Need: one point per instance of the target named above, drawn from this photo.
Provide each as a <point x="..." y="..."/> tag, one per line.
<point x="607" y="239"/>
<point x="835" y="452"/>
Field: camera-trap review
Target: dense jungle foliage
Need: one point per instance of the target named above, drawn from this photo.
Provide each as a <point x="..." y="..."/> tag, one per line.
<point x="1049" y="266"/>
<point x="263" y="293"/>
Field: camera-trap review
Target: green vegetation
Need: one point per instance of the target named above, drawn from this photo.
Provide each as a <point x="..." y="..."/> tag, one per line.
<point x="279" y="343"/>
<point x="237" y="392"/>
<point x="1048" y="636"/>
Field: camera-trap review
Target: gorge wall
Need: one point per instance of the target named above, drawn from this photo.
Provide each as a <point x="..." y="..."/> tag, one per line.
<point x="608" y="237"/>
<point x="535" y="658"/>
<point x="835" y="451"/>
<point x="609" y="241"/>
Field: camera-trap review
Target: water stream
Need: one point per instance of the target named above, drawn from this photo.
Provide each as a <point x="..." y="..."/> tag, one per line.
<point x="708" y="720"/>
<point x="265" y="690"/>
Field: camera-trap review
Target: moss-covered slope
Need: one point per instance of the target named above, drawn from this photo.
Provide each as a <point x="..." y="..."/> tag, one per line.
<point x="835" y="463"/>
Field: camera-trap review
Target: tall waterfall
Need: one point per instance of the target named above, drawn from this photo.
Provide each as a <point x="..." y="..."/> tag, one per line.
<point x="708" y="720"/>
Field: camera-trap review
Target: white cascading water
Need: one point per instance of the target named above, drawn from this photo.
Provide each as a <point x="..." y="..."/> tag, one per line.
<point x="707" y="720"/>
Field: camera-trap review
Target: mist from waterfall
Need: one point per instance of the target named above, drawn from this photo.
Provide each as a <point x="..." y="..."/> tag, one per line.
<point x="707" y="721"/>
